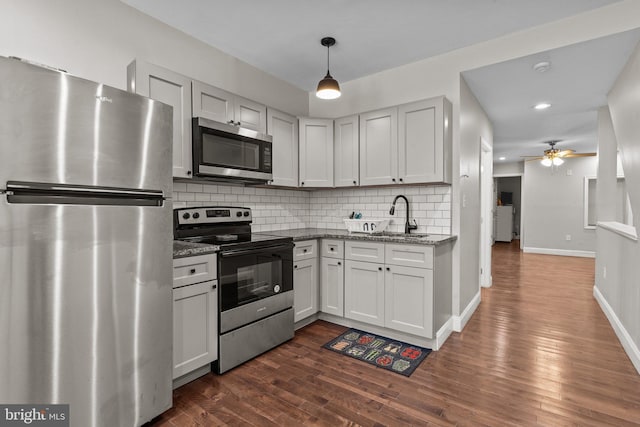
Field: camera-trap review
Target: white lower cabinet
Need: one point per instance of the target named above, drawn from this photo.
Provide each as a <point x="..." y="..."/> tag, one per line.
<point x="409" y="300"/>
<point x="305" y="288"/>
<point x="195" y="314"/>
<point x="332" y="286"/>
<point x="364" y="292"/>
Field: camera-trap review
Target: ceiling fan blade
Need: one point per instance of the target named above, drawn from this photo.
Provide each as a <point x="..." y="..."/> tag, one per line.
<point x="565" y="153"/>
<point x="581" y="154"/>
<point x="535" y="158"/>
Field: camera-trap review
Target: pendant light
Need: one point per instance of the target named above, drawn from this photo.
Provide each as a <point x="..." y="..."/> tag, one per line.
<point x="328" y="88"/>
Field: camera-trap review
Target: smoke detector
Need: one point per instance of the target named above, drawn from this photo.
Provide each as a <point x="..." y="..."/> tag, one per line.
<point x="541" y="67"/>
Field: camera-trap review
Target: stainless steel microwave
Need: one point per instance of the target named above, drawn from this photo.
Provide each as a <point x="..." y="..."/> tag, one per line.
<point x="226" y="152"/>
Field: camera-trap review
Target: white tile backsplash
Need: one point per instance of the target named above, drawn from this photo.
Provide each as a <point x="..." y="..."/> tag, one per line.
<point x="283" y="209"/>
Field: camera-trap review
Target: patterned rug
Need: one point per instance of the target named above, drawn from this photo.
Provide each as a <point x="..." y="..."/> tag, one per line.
<point x="386" y="353"/>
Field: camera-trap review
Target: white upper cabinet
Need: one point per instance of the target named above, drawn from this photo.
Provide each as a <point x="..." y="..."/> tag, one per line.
<point x="316" y="152"/>
<point x="424" y="141"/>
<point x="216" y="104"/>
<point x="173" y="89"/>
<point x="346" y="148"/>
<point x="379" y="147"/>
<point x="284" y="130"/>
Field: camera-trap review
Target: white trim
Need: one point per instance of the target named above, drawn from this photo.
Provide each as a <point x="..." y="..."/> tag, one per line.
<point x="444" y="332"/>
<point x="629" y="346"/>
<point x="624" y="230"/>
<point x="506" y="175"/>
<point x="560" y="252"/>
<point x="459" y="322"/>
<point x="489" y="284"/>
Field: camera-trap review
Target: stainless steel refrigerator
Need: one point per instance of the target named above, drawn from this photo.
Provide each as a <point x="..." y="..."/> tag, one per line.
<point x="85" y="247"/>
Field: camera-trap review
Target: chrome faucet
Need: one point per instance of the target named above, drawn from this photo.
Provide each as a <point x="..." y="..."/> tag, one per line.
<point x="407" y="226"/>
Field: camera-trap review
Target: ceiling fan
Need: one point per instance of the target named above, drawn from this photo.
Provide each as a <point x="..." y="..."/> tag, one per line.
<point x="554" y="156"/>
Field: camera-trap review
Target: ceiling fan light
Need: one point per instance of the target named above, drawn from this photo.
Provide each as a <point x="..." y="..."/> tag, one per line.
<point x="542" y="106"/>
<point x="557" y="161"/>
<point x="328" y="88"/>
<point x="546" y="162"/>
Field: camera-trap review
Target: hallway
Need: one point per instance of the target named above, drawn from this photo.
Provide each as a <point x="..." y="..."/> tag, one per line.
<point x="538" y="351"/>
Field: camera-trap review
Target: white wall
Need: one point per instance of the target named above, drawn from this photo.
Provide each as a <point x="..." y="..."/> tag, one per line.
<point x="96" y="39"/>
<point x="513" y="168"/>
<point x="617" y="287"/>
<point x="553" y="207"/>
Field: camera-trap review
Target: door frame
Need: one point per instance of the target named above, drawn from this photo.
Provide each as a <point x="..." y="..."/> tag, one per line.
<point x="486" y="212"/>
<point x="521" y="175"/>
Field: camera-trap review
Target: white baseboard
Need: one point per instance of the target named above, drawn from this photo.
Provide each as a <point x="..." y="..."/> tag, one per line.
<point x="444" y="332"/>
<point x="629" y="346"/>
<point x="489" y="284"/>
<point x="561" y="252"/>
<point x="459" y="322"/>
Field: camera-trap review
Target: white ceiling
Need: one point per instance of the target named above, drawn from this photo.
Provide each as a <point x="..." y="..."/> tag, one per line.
<point x="576" y="85"/>
<point x="282" y="37"/>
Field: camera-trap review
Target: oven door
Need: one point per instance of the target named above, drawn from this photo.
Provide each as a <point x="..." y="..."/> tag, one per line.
<point x="252" y="274"/>
<point x="225" y="151"/>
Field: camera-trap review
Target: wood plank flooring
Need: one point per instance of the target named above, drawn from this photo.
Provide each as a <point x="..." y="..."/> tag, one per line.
<point x="538" y="351"/>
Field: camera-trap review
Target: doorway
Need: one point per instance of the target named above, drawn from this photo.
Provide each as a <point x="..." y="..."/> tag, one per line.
<point x="508" y="215"/>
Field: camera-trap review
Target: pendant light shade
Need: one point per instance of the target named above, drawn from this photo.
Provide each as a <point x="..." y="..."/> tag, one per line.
<point x="328" y="88"/>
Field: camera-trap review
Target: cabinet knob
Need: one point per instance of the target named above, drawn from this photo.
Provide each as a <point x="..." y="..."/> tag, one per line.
<point x="302" y="183"/>
<point x="238" y="123"/>
<point x="339" y="263"/>
<point x="192" y="271"/>
<point x="188" y="172"/>
<point x="388" y="269"/>
<point x="330" y="249"/>
<point x="354" y="183"/>
<point x="295" y="266"/>
<point x="400" y="179"/>
<point x="379" y="268"/>
<point x="304" y="250"/>
<point x="393" y="179"/>
<point x="230" y="122"/>
<point x="214" y="286"/>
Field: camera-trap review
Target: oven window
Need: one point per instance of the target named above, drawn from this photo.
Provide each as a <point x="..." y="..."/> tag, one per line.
<point x="221" y="151"/>
<point x="251" y="277"/>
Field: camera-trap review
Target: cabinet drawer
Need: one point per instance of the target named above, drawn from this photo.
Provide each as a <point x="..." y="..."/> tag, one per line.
<point x="409" y="255"/>
<point x="195" y="269"/>
<point x="333" y="248"/>
<point x="364" y="251"/>
<point x="306" y="249"/>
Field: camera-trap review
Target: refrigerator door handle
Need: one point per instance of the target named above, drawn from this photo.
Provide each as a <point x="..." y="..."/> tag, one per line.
<point x="70" y="194"/>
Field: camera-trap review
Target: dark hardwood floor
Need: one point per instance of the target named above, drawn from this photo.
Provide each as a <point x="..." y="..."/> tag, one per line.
<point x="538" y="351"/>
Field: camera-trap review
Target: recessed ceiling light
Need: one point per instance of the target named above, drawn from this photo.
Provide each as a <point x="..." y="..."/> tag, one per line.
<point x="543" y="66"/>
<point x="503" y="158"/>
<point x="542" y="106"/>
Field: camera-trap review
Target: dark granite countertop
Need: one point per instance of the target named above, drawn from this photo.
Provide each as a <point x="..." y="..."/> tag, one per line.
<point x="184" y="249"/>
<point x="300" y="234"/>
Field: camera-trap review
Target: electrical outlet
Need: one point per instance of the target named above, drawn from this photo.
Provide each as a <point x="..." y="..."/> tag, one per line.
<point x="569" y="172"/>
<point x="567" y="237"/>
<point x="604" y="272"/>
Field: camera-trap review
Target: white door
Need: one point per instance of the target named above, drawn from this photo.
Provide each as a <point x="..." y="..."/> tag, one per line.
<point x="212" y="103"/>
<point x="173" y="89"/>
<point x="332" y="286"/>
<point x="195" y="327"/>
<point x="364" y="292"/>
<point x="249" y="114"/>
<point x="305" y="288"/>
<point x="346" y="151"/>
<point x="316" y="152"/>
<point x="409" y="300"/>
<point x="379" y="147"/>
<point x="420" y="156"/>
<point x="284" y="130"/>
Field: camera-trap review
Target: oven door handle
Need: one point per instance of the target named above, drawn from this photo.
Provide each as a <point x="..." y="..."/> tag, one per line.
<point x="251" y="251"/>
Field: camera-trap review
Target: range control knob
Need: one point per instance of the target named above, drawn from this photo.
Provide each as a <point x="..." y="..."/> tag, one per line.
<point x="186" y="215"/>
<point x="246" y="213"/>
<point x="196" y="215"/>
<point x="238" y="213"/>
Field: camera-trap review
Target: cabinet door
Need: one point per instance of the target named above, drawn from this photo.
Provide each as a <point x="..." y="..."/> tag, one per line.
<point x="419" y="143"/>
<point x="195" y="327"/>
<point x="379" y="147"/>
<point x="332" y="286"/>
<point x="212" y="103"/>
<point x="409" y="300"/>
<point x="316" y="152"/>
<point x="284" y="130"/>
<point x="305" y="288"/>
<point x="346" y="151"/>
<point x="249" y="114"/>
<point x="364" y="292"/>
<point x="173" y="89"/>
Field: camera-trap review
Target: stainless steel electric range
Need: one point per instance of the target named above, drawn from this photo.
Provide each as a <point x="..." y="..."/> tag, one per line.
<point x="255" y="276"/>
